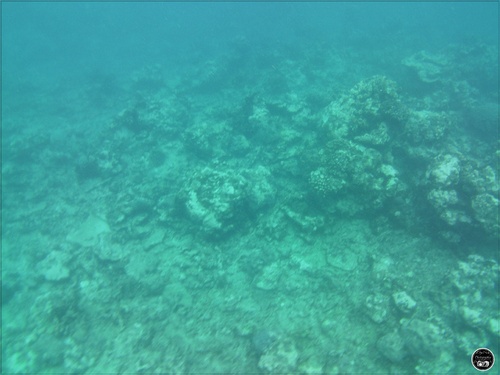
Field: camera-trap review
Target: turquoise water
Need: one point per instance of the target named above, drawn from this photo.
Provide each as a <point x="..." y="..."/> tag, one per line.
<point x="249" y="187"/>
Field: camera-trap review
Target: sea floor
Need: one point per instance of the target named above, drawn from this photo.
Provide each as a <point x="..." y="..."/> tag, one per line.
<point x="112" y="262"/>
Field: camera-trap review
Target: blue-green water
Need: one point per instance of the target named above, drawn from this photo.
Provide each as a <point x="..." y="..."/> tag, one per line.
<point x="249" y="187"/>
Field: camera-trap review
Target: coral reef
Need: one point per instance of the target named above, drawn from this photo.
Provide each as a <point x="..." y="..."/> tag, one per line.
<point x="371" y="136"/>
<point x="266" y="208"/>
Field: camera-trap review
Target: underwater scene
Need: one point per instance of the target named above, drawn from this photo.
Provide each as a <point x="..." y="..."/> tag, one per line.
<point x="267" y="188"/>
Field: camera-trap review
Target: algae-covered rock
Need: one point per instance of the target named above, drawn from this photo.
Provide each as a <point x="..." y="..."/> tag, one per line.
<point x="476" y="281"/>
<point x="262" y="340"/>
<point x="356" y="172"/>
<point x="377" y="307"/>
<point x="482" y="120"/>
<point x="475" y="273"/>
<point x="404" y="302"/>
<point x="464" y="190"/>
<point x="430" y="67"/>
<point x="424" y="126"/>
<point x="54" y="266"/>
<point x="479" y="179"/>
<point x="270" y="276"/>
<point x="424" y="339"/>
<point x="50" y="350"/>
<point x="261" y="192"/>
<point x="392" y="347"/>
<point x="378" y="98"/>
<point x="281" y="357"/>
<point x="355" y="164"/>
<point x="304" y="222"/>
<point x="206" y="139"/>
<point x="485" y="207"/>
<point x="221" y="201"/>
<point x="447" y="205"/>
<point x="369" y="107"/>
<point x="445" y="171"/>
<point x="88" y="232"/>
